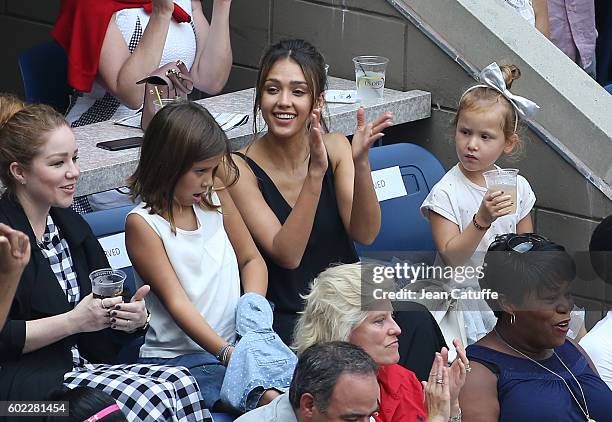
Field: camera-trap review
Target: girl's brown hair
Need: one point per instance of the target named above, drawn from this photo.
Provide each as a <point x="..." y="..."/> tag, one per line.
<point x="22" y="133"/>
<point x="306" y="56"/>
<point x="480" y="98"/>
<point x="179" y="135"/>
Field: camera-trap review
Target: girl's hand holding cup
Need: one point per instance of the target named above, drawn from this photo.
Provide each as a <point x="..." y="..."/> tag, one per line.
<point x="493" y="205"/>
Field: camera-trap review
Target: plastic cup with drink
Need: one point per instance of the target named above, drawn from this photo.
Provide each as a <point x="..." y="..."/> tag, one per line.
<point x="107" y="282"/>
<point x="370" y="76"/>
<point x="503" y="180"/>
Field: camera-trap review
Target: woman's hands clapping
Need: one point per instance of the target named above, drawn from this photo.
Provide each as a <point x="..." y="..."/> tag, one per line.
<point x="441" y="390"/>
<point x="457" y="371"/>
<point x="318" y="153"/>
<point x="436" y="391"/>
<point x="366" y="134"/>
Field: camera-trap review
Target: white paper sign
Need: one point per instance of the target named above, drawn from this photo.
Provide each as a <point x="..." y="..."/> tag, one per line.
<point x="388" y="183"/>
<point x="115" y="250"/>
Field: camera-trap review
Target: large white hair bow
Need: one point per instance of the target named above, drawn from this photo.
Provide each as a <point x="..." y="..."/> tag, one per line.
<point x="492" y="77"/>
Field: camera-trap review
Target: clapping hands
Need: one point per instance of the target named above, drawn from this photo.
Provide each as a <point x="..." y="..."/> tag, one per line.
<point x="366" y="134"/>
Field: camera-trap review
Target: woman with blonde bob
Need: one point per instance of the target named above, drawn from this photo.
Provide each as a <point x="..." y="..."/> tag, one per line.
<point x="335" y="311"/>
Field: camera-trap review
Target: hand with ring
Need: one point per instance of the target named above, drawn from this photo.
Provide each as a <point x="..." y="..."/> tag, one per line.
<point x="436" y="391"/>
<point x="457" y="373"/>
<point x="129" y="317"/>
<point x="91" y="315"/>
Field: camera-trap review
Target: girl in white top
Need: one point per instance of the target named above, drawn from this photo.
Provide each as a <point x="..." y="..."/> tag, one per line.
<point x="189" y="243"/>
<point x="464" y="216"/>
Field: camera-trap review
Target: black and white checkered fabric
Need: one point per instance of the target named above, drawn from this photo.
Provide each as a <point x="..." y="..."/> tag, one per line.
<point x="57" y="252"/>
<point x="145" y="392"/>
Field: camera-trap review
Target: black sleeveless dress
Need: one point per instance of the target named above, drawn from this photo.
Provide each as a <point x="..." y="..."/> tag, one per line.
<point x="328" y="244"/>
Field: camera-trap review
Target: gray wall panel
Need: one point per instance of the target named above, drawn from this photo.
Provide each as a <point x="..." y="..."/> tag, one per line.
<point x="342" y="34"/>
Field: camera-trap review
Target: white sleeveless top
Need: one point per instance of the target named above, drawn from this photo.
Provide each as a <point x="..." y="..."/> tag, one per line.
<point x="206" y="266"/>
<point x="98" y="104"/>
<point x="525" y="8"/>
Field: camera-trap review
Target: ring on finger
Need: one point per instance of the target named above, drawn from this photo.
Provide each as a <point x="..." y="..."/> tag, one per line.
<point x="468" y="368"/>
<point x="440" y="381"/>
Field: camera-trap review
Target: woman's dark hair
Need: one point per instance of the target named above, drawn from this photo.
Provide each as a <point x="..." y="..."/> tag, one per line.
<point x="306" y="56"/>
<point x="83" y="403"/>
<point x="179" y="135"/>
<point x="516" y="275"/>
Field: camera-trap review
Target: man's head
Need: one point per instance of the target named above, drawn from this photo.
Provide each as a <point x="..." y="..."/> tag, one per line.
<point x="334" y="381"/>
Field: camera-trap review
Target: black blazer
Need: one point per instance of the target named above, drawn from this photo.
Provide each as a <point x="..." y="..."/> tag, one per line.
<point x="33" y="375"/>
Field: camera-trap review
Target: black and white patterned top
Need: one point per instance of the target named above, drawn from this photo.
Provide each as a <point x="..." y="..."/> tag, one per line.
<point x="143" y="392"/>
<point x="57" y="252"/>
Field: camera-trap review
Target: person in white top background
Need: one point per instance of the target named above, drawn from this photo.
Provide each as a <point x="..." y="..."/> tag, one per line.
<point x="598" y="341"/>
<point x="533" y="11"/>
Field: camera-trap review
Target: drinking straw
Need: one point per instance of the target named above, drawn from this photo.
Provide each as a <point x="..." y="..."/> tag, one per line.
<point x="158" y="97"/>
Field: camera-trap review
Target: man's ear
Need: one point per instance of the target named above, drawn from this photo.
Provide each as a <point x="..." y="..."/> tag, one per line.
<point x="18" y="172"/>
<point x="511" y="143"/>
<point x="307" y="405"/>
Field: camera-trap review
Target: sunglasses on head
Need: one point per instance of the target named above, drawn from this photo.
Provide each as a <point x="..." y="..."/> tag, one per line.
<point x="521" y="243"/>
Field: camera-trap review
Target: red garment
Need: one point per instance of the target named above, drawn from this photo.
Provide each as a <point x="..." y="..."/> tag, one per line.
<point x="401" y="395"/>
<point x="81" y="27"/>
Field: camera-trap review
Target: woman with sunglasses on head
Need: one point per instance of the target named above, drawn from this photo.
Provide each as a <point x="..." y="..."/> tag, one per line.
<point x="526" y="368"/>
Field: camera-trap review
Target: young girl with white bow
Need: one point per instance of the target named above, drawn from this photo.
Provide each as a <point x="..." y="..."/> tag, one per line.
<point x="465" y="217"/>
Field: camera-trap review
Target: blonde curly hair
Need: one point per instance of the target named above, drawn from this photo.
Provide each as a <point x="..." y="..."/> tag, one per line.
<point x="334" y="306"/>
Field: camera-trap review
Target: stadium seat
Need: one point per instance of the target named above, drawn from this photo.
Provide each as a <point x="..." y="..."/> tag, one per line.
<point x="403" y="228"/>
<point x="44" y="75"/>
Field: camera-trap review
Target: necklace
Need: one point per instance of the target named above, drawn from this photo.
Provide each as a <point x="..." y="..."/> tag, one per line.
<point x="584" y="410"/>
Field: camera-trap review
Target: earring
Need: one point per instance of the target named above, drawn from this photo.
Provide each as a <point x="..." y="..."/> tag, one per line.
<point x="512" y="318"/>
<point x="23" y="182"/>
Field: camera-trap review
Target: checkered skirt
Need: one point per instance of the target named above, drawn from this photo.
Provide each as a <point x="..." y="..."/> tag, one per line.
<point x="145" y="392"/>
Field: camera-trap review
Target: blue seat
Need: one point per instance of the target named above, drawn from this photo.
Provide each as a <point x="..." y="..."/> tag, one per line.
<point x="403" y="228"/>
<point x="44" y="75"/>
<point x="608" y="88"/>
<point x="222" y="417"/>
<point x="109" y="227"/>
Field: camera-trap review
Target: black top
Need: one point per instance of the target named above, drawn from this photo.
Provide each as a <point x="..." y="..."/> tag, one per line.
<point x="328" y="244"/>
<point x="31" y="376"/>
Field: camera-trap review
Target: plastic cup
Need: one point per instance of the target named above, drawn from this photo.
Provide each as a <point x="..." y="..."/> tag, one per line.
<point x="370" y="76"/>
<point x="503" y="180"/>
<point x="107" y="283"/>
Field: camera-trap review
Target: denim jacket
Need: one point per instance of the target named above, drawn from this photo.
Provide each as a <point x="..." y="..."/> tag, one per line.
<point x="261" y="360"/>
